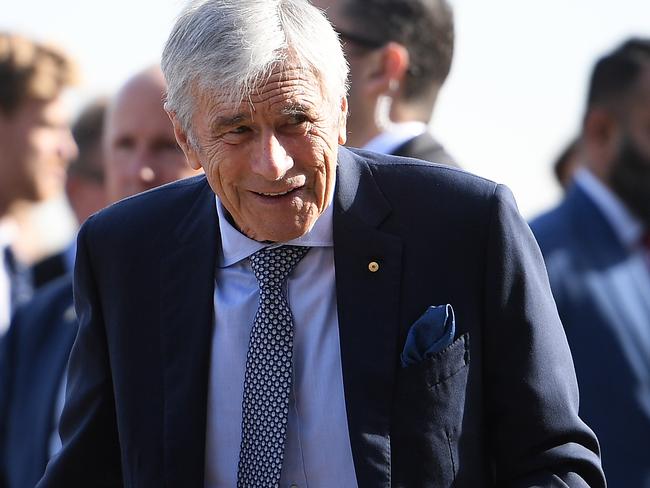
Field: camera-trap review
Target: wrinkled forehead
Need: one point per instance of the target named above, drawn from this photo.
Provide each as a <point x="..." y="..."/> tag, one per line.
<point x="284" y="83"/>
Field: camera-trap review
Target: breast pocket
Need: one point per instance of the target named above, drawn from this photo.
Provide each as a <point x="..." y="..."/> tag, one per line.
<point x="428" y="414"/>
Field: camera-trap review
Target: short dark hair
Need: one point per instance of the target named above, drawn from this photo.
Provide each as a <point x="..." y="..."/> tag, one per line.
<point x="31" y="70"/>
<point x="424" y="27"/>
<point x="616" y="73"/>
<point x="88" y="131"/>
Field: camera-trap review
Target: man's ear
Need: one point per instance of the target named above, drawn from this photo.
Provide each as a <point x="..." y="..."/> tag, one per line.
<point x="601" y="130"/>
<point x="183" y="141"/>
<point x="343" y="120"/>
<point x="390" y="69"/>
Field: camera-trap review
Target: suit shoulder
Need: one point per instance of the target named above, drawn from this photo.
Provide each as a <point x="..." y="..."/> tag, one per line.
<point x="413" y="183"/>
<point x="423" y="174"/>
<point x="144" y="212"/>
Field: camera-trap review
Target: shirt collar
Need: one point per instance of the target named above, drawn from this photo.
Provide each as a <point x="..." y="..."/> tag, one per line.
<point x="626" y="226"/>
<point x="235" y="246"/>
<point x="395" y="135"/>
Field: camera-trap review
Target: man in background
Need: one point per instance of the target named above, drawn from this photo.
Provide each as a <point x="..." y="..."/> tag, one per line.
<point x="135" y="157"/>
<point x="84" y="187"/>
<point x="596" y="248"/>
<point x="141" y="150"/>
<point x="35" y="147"/>
<point x="400" y="54"/>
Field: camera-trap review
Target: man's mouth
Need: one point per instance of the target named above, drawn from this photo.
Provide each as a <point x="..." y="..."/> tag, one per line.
<point x="276" y="194"/>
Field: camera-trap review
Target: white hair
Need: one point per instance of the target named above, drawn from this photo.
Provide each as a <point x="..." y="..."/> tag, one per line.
<point x="231" y="46"/>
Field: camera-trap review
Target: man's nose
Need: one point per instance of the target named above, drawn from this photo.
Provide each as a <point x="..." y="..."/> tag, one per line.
<point x="142" y="167"/>
<point x="273" y="161"/>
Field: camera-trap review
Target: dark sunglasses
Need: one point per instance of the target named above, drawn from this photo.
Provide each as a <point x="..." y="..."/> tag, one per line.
<point x="360" y="41"/>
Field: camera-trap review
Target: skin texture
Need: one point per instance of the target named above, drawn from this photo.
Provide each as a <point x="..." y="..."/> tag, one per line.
<point x="36" y="147"/>
<point x="140" y="147"/>
<point x="271" y="160"/>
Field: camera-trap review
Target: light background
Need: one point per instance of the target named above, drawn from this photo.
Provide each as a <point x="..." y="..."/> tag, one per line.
<point x="513" y="100"/>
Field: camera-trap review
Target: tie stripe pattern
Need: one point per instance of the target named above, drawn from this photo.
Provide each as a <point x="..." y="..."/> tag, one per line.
<point x="267" y="382"/>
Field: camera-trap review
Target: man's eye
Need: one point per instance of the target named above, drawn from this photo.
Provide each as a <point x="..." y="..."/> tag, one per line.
<point x="240" y="130"/>
<point x="297" y="119"/>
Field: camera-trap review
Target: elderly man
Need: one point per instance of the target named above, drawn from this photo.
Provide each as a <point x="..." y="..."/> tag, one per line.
<point x="400" y="54"/>
<point x="596" y="244"/>
<point x="329" y="318"/>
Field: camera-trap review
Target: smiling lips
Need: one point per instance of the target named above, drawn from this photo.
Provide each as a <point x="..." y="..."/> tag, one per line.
<point x="279" y="193"/>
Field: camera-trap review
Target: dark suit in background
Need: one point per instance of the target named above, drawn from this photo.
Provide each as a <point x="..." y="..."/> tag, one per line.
<point x="49" y="269"/>
<point x="33" y="358"/>
<point x="497" y="407"/>
<point x="603" y="297"/>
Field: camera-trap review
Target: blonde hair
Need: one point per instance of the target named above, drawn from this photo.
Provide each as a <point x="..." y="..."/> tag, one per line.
<point x="31" y="70"/>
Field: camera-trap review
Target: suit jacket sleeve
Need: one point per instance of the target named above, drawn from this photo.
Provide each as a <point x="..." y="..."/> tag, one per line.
<point x="532" y="395"/>
<point x="90" y="455"/>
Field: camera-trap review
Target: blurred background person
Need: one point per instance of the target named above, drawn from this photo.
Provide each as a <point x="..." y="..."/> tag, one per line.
<point x="34" y="353"/>
<point x="35" y="148"/>
<point x="84" y="186"/>
<point x="400" y="54"/>
<point x="596" y="248"/>
<point x="139" y="141"/>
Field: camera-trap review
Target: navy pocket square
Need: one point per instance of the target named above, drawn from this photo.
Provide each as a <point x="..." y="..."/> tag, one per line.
<point x="430" y="334"/>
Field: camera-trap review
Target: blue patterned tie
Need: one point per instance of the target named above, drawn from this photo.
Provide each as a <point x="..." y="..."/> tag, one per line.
<point x="267" y="383"/>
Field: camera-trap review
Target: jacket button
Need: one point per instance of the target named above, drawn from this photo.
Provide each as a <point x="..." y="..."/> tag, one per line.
<point x="373" y="266"/>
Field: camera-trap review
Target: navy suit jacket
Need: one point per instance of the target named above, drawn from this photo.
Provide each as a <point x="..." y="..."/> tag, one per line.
<point x="603" y="297"/>
<point x="32" y="363"/>
<point x="496" y="407"/>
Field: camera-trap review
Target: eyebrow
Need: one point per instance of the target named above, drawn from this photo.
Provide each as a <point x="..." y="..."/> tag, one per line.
<point x="228" y="120"/>
<point x="296" y="109"/>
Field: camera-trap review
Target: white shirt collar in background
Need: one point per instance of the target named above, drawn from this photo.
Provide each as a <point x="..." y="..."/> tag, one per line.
<point x="395" y="135"/>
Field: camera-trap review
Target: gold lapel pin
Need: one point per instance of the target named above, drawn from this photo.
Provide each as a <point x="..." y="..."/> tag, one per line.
<point x="373" y="266"/>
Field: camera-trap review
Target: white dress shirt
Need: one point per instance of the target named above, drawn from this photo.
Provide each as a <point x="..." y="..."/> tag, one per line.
<point x="317" y="450"/>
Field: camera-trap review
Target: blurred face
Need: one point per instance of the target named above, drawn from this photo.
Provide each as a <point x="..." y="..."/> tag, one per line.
<point x="271" y="162"/>
<point x="140" y="148"/>
<point x="629" y="173"/>
<point x="36" y="147"/>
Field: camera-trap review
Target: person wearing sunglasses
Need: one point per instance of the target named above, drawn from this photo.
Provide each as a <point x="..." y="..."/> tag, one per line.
<point x="400" y="53"/>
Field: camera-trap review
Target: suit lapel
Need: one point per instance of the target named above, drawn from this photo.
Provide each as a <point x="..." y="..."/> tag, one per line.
<point x="368" y="306"/>
<point x="187" y="310"/>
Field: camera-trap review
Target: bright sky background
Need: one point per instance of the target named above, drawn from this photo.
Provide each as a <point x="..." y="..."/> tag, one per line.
<point x="514" y="97"/>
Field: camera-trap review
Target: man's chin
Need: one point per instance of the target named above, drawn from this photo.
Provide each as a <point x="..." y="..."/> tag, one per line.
<point x="281" y="232"/>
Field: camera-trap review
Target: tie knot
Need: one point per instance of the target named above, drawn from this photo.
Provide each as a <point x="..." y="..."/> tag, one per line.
<point x="272" y="266"/>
